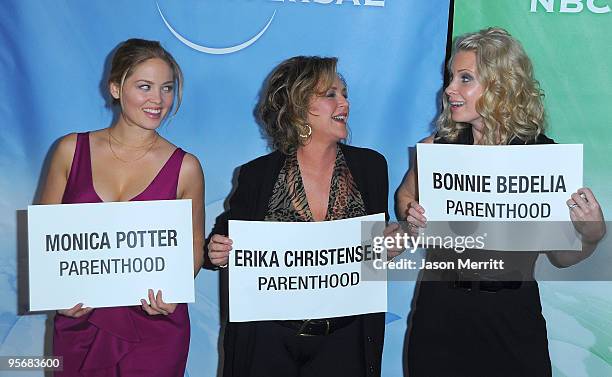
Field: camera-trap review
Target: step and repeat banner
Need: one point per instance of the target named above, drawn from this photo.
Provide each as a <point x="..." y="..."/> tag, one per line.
<point x="55" y="57"/>
<point x="568" y="42"/>
<point x="54" y="60"/>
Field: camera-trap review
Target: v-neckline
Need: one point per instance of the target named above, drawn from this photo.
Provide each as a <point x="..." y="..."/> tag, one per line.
<point x="93" y="187"/>
<point x="329" y="194"/>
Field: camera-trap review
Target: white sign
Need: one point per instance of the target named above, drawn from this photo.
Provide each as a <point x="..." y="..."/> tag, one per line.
<point x="109" y="254"/>
<point x="524" y="186"/>
<point x="284" y="271"/>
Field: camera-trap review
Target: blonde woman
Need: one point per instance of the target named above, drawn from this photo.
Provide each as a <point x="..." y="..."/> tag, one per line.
<point x="492" y="326"/>
<point x="129" y="161"/>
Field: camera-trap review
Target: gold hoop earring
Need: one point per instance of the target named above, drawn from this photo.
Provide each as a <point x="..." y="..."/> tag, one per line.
<point x="308" y="132"/>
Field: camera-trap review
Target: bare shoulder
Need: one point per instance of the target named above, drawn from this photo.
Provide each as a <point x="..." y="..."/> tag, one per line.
<point x="64" y="149"/>
<point x="59" y="170"/>
<point x="191" y="178"/>
<point x="67" y="143"/>
<point x="191" y="167"/>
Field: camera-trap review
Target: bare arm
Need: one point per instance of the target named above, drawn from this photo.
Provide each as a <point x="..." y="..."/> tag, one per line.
<point x="53" y="191"/>
<point x="408" y="193"/>
<point x="191" y="186"/>
<point x="59" y="169"/>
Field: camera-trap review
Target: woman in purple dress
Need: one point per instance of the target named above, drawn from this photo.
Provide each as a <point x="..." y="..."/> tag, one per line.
<point x="129" y="161"/>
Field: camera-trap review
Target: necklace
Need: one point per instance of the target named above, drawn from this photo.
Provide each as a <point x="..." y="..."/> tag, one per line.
<point x="110" y="145"/>
<point x="131" y="146"/>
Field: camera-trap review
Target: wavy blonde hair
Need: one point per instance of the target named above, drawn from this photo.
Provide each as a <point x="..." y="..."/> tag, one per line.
<point x="511" y="101"/>
<point x="283" y="106"/>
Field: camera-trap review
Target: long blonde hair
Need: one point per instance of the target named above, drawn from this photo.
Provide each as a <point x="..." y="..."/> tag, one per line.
<point x="511" y="101"/>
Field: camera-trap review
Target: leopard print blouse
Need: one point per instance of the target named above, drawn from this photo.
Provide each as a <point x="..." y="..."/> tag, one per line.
<point x="288" y="201"/>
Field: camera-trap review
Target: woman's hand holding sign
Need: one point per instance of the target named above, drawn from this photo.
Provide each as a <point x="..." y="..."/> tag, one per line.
<point x="219" y="249"/>
<point x="392" y="230"/>
<point x="76" y="311"/>
<point x="415" y="217"/>
<point x="156" y="304"/>
<point x="588" y="220"/>
<point x="586" y="215"/>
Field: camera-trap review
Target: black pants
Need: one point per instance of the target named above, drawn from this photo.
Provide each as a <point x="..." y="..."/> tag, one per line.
<point x="278" y="352"/>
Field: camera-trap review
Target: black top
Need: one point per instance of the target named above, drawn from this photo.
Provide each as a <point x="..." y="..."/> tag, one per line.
<point x="466" y="137"/>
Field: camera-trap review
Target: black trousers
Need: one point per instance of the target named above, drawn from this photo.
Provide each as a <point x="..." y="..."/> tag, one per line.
<point x="278" y="352"/>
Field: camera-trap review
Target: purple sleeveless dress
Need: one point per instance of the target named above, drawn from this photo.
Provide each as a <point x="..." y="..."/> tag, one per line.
<point x="121" y="341"/>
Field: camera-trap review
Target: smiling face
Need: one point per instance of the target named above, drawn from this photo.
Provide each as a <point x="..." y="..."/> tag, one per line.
<point x="328" y="113"/>
<point x="147" y="93"/>
<point x="464" y="90"/>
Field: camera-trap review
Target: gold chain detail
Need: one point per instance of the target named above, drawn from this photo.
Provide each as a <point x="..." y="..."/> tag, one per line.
<point x="110" y="145"/>
<point x="131" y="146"/>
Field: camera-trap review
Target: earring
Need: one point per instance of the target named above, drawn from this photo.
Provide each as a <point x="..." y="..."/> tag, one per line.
<point x="308" y="132"/>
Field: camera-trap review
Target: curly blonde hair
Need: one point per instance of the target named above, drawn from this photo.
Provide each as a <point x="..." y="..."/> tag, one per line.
<point x="283" y="105"/>
<point x="511" y="101"/>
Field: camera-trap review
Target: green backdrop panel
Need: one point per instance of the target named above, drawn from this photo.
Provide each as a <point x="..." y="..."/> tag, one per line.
<point x="570" y="44"/>
<point x="572" y="55"/>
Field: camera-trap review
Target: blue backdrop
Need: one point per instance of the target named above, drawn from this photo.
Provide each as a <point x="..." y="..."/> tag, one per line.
<point x="54" y="55"/>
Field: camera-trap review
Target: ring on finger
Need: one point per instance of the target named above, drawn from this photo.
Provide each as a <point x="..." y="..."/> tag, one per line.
<point x="572" y="206"/>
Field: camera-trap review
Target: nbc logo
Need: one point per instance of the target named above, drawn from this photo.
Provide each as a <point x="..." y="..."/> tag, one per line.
<point x="570" y="6"/>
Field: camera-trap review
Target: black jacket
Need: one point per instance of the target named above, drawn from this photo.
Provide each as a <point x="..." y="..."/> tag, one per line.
<point x="250" y="202"/>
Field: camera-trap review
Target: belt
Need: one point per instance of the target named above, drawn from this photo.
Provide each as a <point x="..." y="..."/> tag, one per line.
<point x="485" y="286"/>
<point x="477" y="282"/>
<point x="317" y="327"/>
